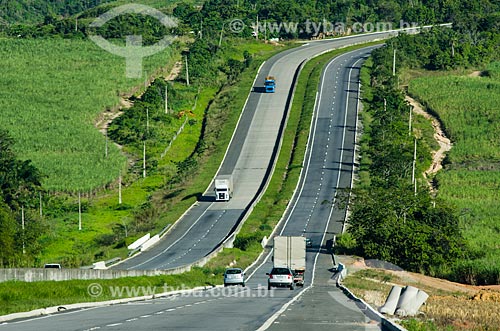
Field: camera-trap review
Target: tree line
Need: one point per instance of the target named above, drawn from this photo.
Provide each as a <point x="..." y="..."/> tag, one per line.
<point x="20" y="181"/>
<point x="71" y="19"/>
<point x="389" y="220"/>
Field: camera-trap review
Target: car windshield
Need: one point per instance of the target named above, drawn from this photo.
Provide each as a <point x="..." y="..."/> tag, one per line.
<point x="233" y="271"/>
<point x="280" y="271"/>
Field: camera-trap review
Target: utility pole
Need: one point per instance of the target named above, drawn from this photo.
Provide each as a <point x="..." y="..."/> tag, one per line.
<point x="76" y="24"/>
<point x="144" y="161"/>
<point x="22" y="226"/>
<point x="385" y="104"/>
<point x="220" y="37"/>
<point x="394" y="63"/>
<point x="257" y="29"/>
<point x="79" y="211"/>
<point x="147" y="119"/>
<point x="265" y="31"/>
<point x="41" y="206"/>
<point x="106" y="144"/>
<point x="166" y="98"/>
<point x="187" y="71"/>
<point x="413" y="179"/>
<point x="409" y="123"/>
<point x="120" y="189"/>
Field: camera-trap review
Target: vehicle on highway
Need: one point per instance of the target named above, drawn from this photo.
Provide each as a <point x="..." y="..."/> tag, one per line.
<point x="280" y="277"/>
<point x="52" y="266"/>
<point x="223" y="187"/>
<point x="234" y="276"/>
<point x="270" y="84"/>
<point x="308" y="242"/>
<point x="290" y="252"/>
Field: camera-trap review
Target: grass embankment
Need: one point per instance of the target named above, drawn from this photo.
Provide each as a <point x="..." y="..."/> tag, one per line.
<point x="51" y="92"/>
<point x="151" y="203"/>
<point x="20" y="296"/>
<point x="468" y="108"/>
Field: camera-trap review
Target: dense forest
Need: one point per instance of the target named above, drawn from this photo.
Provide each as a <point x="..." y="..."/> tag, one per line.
<point x="59" y="17"/>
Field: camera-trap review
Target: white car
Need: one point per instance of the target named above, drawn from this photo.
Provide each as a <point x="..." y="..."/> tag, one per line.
<point x="234" y="276"/>
<point x="280" y="277"/>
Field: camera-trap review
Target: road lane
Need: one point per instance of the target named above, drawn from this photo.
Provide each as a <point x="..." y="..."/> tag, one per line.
<point x="253" y="306"/>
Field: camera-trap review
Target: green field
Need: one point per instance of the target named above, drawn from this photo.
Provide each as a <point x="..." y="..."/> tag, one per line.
<point x="51" y="93"/>
<point x="469" y="108"/>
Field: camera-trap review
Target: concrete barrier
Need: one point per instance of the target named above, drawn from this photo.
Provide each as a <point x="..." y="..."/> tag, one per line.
<point x="41" y="274"/>
<point x="153" y="240"/>
<point x="101" y="265"/>
<point x="416" y="303"/>
<point x="136" y="244"/>
<point x="391" y="303"/>
<point x="405" y="300"/>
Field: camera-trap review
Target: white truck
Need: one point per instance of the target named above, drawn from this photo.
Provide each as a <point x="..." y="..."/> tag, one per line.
<point x="291" y="252"/>
<point x="223" y="187"/>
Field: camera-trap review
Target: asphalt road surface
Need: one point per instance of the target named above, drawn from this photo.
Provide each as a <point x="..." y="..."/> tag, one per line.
<point x="313" y="213"/>
<point x="248" y="158"/>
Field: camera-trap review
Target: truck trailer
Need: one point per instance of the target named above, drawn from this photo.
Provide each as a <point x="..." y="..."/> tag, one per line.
<point x="289" y="251"/>
<point x="223" y="187"/>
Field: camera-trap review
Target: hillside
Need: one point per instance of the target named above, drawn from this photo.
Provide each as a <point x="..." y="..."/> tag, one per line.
<point x="35" y="11"/>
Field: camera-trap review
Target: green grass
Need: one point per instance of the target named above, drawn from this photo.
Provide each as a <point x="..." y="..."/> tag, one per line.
<point x="468" y="108"/>
<point x="25" y="296"/>
<point x="51" y="93"/>
<point x="71" y="247"/>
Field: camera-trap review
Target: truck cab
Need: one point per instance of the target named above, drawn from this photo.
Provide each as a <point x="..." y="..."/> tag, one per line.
<point x="223" y="188"/>
<point x="270" y="84"/>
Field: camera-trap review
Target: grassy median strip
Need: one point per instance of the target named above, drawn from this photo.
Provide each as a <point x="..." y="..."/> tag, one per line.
<point x="21" y="296"/>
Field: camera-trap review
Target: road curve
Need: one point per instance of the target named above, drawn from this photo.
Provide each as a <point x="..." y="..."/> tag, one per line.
<point x="249" y="158"/>
<point x="328" y="168"/>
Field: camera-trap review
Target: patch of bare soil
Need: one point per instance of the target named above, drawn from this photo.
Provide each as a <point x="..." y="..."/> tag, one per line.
<point x="175" y="71"/>
<point x="475" y="74"/>
<point x="439" y="135"/>
<point x="106" y="118"/>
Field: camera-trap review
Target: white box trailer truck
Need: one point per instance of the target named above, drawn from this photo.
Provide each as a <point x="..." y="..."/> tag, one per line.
<point x="290" y="252"/>
<point x="223" y="187"/>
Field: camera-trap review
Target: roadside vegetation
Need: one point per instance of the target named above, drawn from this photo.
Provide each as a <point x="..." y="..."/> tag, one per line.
<point x="22" y="296"/>
<point x="468" y="108"/>
<point x="398" y="219"/>
<point x="393" y="216"/>
<point x="63" y="86"/>
<point x="450" y="306"/>
<point x="416" y="231"/>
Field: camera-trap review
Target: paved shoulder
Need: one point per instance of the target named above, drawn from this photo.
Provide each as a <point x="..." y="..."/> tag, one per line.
<point x="324" y="307"/>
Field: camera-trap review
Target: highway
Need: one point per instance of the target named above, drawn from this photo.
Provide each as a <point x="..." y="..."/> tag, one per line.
<point x="320" y="305"/>
<point x="249" y="158"/>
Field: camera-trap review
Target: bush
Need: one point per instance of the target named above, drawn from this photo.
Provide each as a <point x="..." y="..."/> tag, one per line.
<point x="244" y="242"/>
<point x="346" y="244"/>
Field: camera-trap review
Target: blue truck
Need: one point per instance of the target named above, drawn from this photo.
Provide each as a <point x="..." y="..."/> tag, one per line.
<point x="270" y="84"/>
